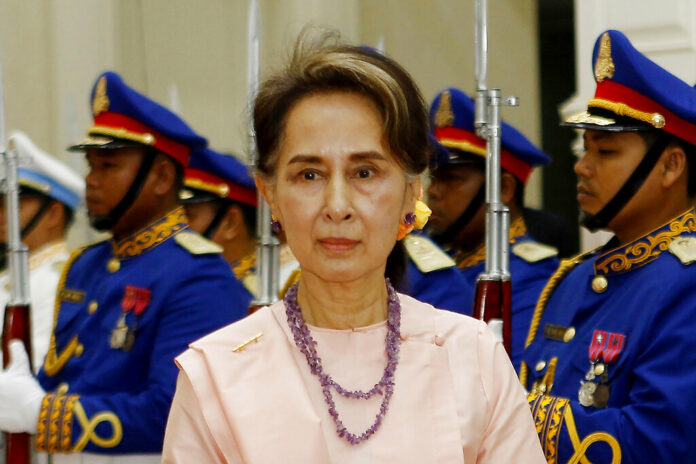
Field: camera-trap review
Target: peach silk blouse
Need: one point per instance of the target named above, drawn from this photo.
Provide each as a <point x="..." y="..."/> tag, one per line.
<point x="456" y="397"/>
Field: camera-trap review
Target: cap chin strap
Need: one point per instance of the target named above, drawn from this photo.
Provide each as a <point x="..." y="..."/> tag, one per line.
<point x="447" y="236"/>
<point x="601" y="220"/>
<point x="215" y="223"/>
<point x="104" y="222"/>
<point x="45" y="204"/>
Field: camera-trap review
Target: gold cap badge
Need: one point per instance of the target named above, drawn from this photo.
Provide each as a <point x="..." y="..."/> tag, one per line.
<point x="100" y="103"/>
<point x="444" y="116"/>
<point x="604" y="65"/>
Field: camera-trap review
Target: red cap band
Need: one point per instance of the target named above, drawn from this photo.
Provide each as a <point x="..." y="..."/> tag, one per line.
<point x="131" y="129"/>
<point x="618" y="93"/>
<point x="234" y="191"/>
<point x="467" y="141"/>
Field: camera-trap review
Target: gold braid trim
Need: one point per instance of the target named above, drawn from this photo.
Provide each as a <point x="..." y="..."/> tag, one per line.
<point x="581" y="447"/>
<point x="645" y="249"/>
<point x="565" y="267"/>
<point x="89" y="427"/>
<point x="245" y="265"/>
<point x="152" y="235"/>
<point x="654" y="119"/>
<point x="548" y="413"/>
<point x="54" y="362"/>
<point x="470" y="259"/>
<point x="121" y="133"/>
<point x="54" y="432"/>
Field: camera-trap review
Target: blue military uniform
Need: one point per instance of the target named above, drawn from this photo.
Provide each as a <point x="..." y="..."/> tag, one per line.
<point x="223" y="180"/>
<point x="125" y="309"/>
<point x="531" y="263"/>
<point x="611" y="356"/>
<point x="212" y="177"/>
<point x="432" y="276"/>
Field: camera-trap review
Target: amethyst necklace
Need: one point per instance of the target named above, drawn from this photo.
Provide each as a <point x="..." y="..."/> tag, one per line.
<point x="385" y="386"/>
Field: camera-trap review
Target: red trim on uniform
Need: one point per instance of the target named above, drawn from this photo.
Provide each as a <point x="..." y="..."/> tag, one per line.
<point x="164" y="144"/>
<point x="618" y="93"/>
<point x="510" y="163"/>
<point x="236" y="191"/>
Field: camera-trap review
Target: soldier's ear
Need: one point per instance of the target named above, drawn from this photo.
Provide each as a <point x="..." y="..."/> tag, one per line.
<point x="508" y="185"/>
<point x="674" y="165"/>
<point x="232" y="223"/>
<point x="165" y="172"/>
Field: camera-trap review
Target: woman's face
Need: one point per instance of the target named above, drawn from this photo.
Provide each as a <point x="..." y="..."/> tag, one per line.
<point x="338" y="191"/>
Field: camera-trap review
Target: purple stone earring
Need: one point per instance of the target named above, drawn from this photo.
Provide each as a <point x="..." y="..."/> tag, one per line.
<point x="409" y="219"/>
<point x="278" y="228"/>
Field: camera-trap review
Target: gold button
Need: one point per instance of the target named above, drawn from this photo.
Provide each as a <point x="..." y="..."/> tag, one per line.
<point x="92" y="307"/>
<point x="600" y="284"/>
<point x="542" y="388"/>
<point x="62" y="388"/>
<point x="79" y="349"/>
<point x="569" y="334"/>
<point x="599" y="369"/>
<point x="657" y="120"/>
<point x="113" y="265"/>
<point x="540" y="365"/>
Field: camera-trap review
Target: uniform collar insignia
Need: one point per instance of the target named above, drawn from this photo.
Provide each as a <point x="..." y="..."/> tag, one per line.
<point x="148" y="238"/>
<point x="518" y="229"/>
<point x="645" y="249"/>
<point x="245" y="266"/>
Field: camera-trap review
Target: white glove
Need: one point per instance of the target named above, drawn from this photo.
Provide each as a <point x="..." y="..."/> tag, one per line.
<point x="20" y="393"/>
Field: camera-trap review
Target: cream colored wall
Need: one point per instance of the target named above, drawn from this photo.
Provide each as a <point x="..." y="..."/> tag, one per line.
<point x="193" y="53"/>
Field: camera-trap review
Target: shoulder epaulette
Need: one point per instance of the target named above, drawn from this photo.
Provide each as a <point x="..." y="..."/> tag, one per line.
<point x="532" y="252"/>
<point x="196" y="244"/>
<point x="427" y="256"/>
<point x="684" y="248"/>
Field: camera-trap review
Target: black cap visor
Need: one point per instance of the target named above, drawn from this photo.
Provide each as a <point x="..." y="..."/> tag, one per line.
<point x="192" y="196"/>
<point x="106" y="143"/>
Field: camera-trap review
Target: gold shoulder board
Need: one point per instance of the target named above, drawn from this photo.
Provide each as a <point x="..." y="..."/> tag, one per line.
<point x="197" y="244"/>
<point x="684" y="248"/>
<point x="533" y="251"/>
<point x="427" y="256"/>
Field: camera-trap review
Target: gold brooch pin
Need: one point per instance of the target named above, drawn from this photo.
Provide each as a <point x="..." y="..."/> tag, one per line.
<point x="241" y="346"/>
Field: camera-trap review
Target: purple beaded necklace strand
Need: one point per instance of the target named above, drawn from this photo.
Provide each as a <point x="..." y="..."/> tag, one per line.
<point x="307" y="345"/>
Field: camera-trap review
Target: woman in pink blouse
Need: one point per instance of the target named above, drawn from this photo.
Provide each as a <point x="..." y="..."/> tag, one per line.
<point x="345" y="369"/>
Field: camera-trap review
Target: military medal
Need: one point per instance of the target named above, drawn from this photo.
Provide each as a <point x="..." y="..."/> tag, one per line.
<point x="118" y="335"/>
<point x="589" y="386"/>
<point x="605" y="346"/>
<point x="134" y="299"/>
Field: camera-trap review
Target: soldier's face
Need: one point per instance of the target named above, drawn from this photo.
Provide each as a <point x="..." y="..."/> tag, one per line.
<point x="111" y="173"/>
<point x="28" y="207"/>
<point x="608" y="160"/>
<point x="338" y="191"/>
<point x="451" y="190"/>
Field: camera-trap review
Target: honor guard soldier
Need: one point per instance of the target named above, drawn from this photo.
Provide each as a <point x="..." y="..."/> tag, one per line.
<point x="457" y="193"/>
<point x="432" y="275"/>
<point x="611" y="358"/>
<point x="126" y="306"/>
<point x="50" y="193"/>
<point x="220" y="200"/>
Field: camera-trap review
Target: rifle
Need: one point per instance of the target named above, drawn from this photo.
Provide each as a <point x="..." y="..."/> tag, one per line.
<point x="268" y="248"/>
<point x="17" y="324"/>
<point x="493" y="288"/>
